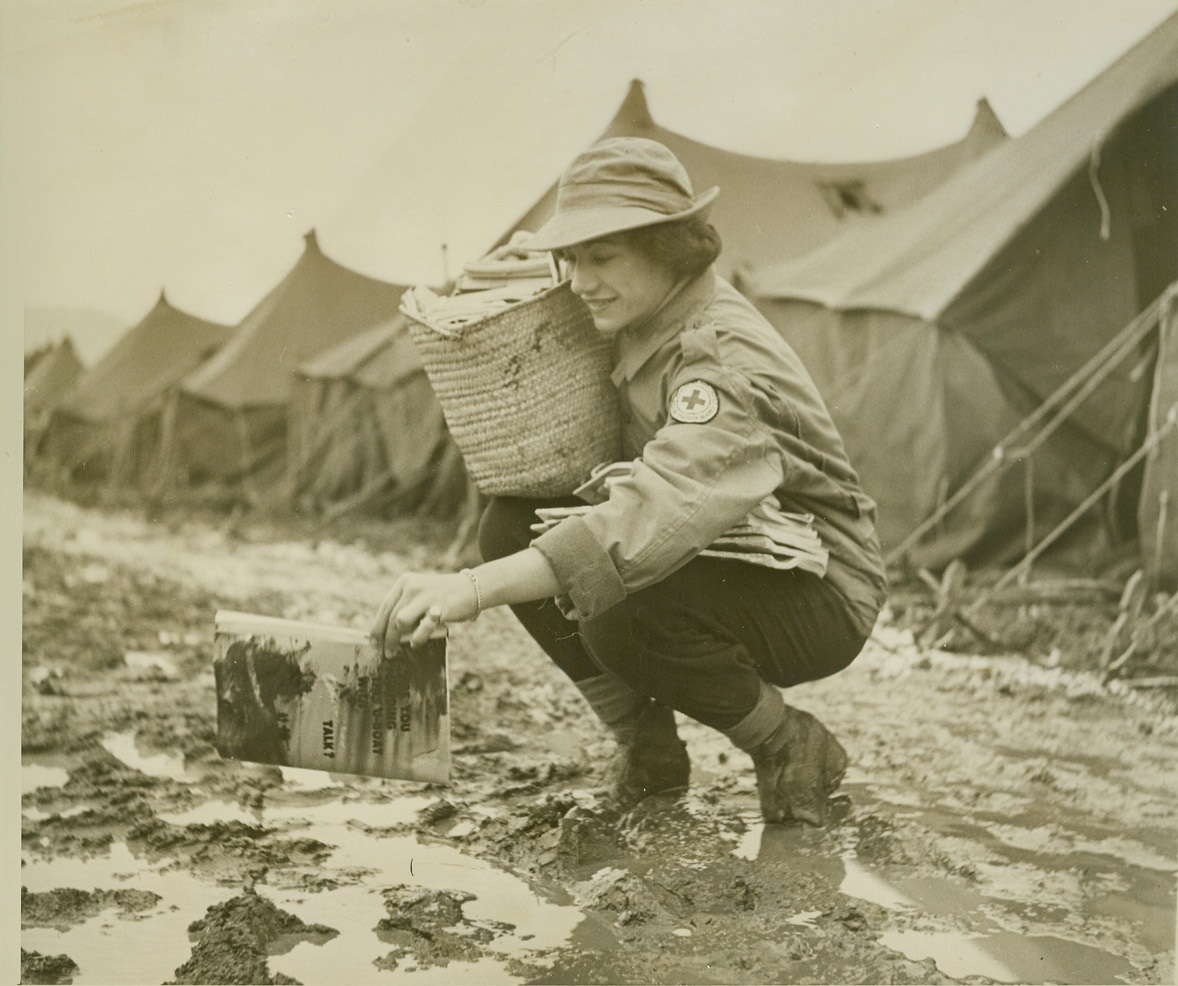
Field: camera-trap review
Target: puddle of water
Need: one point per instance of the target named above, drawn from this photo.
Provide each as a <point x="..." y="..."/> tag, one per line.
<point x="1139" y="880"/>
<point x="749" y="845"/>
<point x="35" y="775"/>
<point x="122" y="747"/>
<point x="212" y="811"/>
<point x="1011" y="957"/>
<point x="787" y="844"/>
<point x="354" y="910"/>
<point x="538" y="925"/>
<point x="385" y="814"/>
<point x="1054" y="840"/>
<point x="1041" y="845"/>
<point x="332" y="818"/>
<point x="956" y="955"/>
<point x="37" y="815"/>
<point x="143" y="947"/>
<point x="1139" y="894"/>
<point x="147" y="947"/>
<point x="865" y="885"/>
<point x="299" y="778"/>
<point x="1004" y="956"/>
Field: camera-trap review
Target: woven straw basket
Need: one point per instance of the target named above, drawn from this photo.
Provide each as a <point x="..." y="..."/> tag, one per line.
<point x="526" y="394"/>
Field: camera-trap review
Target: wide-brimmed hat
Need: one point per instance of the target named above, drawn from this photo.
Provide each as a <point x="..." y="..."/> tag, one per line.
<point x="619" y="184"/>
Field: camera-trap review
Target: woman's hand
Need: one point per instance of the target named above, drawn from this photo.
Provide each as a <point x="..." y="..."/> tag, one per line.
<point x="418" y="604"/>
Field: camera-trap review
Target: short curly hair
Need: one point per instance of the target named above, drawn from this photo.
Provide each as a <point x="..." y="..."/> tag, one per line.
<point x="687" y="247"/>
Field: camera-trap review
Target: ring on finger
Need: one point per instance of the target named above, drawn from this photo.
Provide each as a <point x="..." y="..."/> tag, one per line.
<point x="434" y="614"/>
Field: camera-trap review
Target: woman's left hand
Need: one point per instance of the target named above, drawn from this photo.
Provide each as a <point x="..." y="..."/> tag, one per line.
<point x="419" y="604"/>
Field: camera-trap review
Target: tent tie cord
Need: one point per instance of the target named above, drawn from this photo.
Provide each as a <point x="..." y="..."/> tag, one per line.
<point x="1059" y="405"/>
<point x="1098" y="191"/>
<point x="1019" y="570"/>
<point x="1152" y="442"/>
<point x="1029" y="503"/>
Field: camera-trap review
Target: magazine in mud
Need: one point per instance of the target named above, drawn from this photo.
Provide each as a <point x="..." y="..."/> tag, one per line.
<point x="300" y="694"/>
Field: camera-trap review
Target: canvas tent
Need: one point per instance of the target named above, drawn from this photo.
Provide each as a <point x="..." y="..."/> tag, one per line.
<point x="773" y="209"/>
<point x="367" y="432"/>
<point x="50" y="372"/>
<point x="48" y="378"/>
<point x="935" y="331"/>
<point x="227" y="427"/>
<point x="33" y="357"/>
<point x="108" y="425"/>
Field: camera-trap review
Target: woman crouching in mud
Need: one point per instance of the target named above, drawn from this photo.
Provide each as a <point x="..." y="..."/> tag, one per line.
<point x="642" y="600"/>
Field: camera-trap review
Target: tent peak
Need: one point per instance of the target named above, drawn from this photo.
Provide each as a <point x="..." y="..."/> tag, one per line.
<point x="161" y="304"/>
<point x="634" y="111"/>
<point x="986" y="120"/>
<point x="163" y="310"/>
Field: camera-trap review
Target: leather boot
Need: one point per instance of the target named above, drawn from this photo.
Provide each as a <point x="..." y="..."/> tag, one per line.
<point x="798" y="767"/>
<point x="650" y="759"/>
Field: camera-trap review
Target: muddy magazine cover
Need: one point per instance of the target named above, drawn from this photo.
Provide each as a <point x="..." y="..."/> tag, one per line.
<point x="307" y="695"/>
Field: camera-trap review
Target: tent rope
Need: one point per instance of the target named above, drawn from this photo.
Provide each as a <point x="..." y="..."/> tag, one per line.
<point x="1024" y="565"/>
<point x="1029" y="502"/>
<point x="1094" y="180"/>
<point x="1059" y="406"/>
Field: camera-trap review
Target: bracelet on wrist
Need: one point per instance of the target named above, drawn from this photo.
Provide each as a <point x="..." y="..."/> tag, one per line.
<point x="478" y="592"/>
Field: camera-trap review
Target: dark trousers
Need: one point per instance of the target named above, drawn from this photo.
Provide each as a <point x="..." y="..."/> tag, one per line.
<point x="699" y="641"/>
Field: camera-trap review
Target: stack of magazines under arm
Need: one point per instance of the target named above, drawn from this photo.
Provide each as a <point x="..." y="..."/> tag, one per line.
<point x="486" y="286"/>
<point x="772" y="537"/>
<point x="768" y="536"/>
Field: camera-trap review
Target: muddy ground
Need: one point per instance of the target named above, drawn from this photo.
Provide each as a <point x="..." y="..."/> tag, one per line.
<point x="1005" y="817"/>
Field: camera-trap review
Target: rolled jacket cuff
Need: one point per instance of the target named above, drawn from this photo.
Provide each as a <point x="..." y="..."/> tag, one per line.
<point x="583" y="567"/>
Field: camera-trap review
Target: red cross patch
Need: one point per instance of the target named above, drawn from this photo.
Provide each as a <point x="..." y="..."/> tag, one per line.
<point x="695" y="403"/>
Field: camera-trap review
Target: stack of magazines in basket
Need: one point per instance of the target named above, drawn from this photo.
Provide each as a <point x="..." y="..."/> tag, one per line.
<point x="506" y="277"/>
<point x="768" y="536"/>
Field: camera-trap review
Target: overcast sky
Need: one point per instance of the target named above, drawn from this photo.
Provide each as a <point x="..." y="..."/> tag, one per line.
<point x="189" y="144"/>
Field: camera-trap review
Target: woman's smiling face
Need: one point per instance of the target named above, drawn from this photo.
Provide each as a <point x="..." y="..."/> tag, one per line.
<point x="622" y="285"/>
